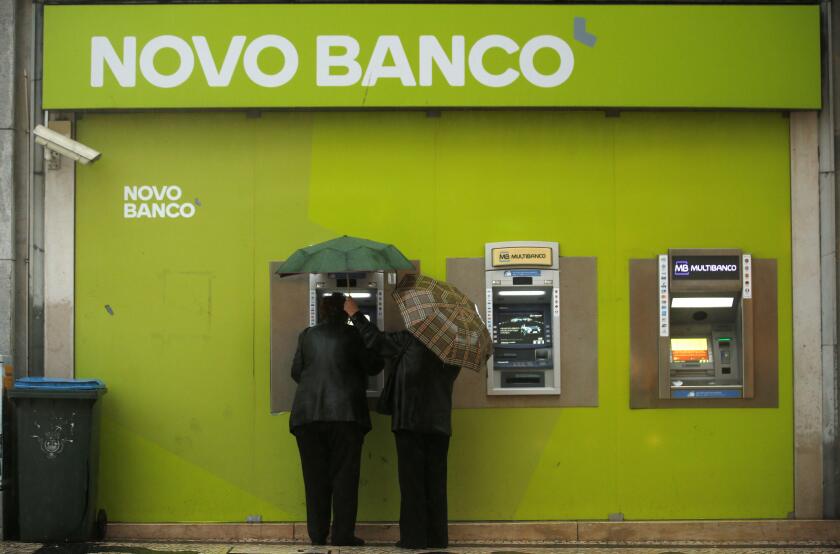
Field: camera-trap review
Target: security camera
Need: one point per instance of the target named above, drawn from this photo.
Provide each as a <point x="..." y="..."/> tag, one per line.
<point x="65" y="146"/>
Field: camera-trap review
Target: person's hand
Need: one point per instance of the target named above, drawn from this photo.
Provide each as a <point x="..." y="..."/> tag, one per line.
<point x="350" y="306"/>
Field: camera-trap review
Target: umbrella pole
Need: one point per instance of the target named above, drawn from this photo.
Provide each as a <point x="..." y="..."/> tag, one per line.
<point x="347" y="275"/>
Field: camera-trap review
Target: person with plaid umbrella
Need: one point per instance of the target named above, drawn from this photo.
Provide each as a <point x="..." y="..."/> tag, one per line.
<point x="421" y="421"/>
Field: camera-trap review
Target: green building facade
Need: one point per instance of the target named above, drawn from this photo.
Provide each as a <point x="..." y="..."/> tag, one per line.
<point x="690" y="149"/>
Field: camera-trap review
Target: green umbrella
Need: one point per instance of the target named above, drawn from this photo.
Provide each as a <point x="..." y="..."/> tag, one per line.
<point x="345" y="254"/>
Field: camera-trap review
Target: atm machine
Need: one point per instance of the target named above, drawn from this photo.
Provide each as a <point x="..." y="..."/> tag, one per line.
<point x="367" y="289"/>
<point x="522" y="282"/>
<point x="704" y="330"/>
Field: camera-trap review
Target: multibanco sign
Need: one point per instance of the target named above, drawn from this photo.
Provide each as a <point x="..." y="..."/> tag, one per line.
<point x="706" y="267"/>
<point x="337" y="61"/>
<point x="522" y="255"/>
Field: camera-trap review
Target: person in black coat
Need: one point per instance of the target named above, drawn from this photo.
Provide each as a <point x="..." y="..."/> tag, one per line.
<point x="422" y="424"/>
<point x="329" y="419"/>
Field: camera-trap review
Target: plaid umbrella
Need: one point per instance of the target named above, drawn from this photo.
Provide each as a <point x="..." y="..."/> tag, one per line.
<point x="445" y="320"/>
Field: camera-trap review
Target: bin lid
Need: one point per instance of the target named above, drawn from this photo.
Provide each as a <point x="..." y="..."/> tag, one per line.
<point x="58" y="384"/>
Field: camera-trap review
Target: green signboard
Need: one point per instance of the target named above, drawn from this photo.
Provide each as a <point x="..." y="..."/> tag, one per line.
<point x="356" y="56"/>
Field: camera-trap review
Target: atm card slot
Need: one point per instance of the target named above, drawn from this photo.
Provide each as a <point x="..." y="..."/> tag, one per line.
<point x="707" y="387"/>
<point x="698" y="393"/>
<point x="516" y="380"/>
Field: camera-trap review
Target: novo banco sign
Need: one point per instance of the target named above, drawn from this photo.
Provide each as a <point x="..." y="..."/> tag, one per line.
<point x="182" y="56"/>
<point x="336" y="60"/>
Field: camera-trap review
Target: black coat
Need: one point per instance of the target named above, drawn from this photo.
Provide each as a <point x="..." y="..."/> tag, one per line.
<point x="423" y="386"/>
<point x="331" y="366"/>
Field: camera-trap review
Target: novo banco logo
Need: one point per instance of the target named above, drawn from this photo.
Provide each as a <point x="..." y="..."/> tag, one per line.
<point x="337" y="58"/>
<point x="156" y="202"/>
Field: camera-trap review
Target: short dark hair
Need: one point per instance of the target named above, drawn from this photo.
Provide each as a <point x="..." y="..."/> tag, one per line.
<point x="332" y="308"/>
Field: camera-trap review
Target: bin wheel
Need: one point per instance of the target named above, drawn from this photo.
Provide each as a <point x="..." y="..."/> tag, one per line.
<point x="101" y="524"/>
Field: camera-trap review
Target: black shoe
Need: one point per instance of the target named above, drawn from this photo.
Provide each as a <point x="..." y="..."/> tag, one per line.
<point x="352" y="541"/>
<point x="320" y="542"/>
<point x="401" y="544"/>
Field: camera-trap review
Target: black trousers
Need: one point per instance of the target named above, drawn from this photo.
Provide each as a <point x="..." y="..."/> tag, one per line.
<point x="330" y="454"/>
<point x="421" y="461"/>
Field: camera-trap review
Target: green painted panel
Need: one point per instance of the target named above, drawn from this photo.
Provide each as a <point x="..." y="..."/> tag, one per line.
<point x="180" y="56"/>
<point x="187" y="434"/>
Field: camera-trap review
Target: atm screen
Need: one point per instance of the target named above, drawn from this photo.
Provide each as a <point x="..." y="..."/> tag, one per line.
<point x="694" y="349"/>
<point x="365" y="300"/>
<point x="521" y="327"/>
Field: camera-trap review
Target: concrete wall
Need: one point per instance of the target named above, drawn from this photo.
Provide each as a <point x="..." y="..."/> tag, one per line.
<point x="7" y="174"/>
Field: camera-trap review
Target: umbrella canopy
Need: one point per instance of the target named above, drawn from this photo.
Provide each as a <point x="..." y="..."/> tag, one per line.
<point x="345" y="254"/>
<point x="445" y="320"/>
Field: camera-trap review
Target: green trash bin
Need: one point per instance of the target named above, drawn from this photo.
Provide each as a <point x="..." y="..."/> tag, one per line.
<point x="57" y="457"/>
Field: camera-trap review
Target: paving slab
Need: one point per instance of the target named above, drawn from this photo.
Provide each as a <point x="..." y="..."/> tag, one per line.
<point x="269" y="548"/>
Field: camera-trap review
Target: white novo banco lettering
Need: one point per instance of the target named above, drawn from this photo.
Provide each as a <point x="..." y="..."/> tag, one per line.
<point x="336" y="58"/>
<point x="155" y="202"/>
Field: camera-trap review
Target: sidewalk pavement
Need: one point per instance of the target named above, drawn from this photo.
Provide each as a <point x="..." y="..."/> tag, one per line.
<point x="276" y="548"/>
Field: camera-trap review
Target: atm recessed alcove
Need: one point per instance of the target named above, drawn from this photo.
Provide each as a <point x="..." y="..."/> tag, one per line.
<point x="681" y="359"/>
